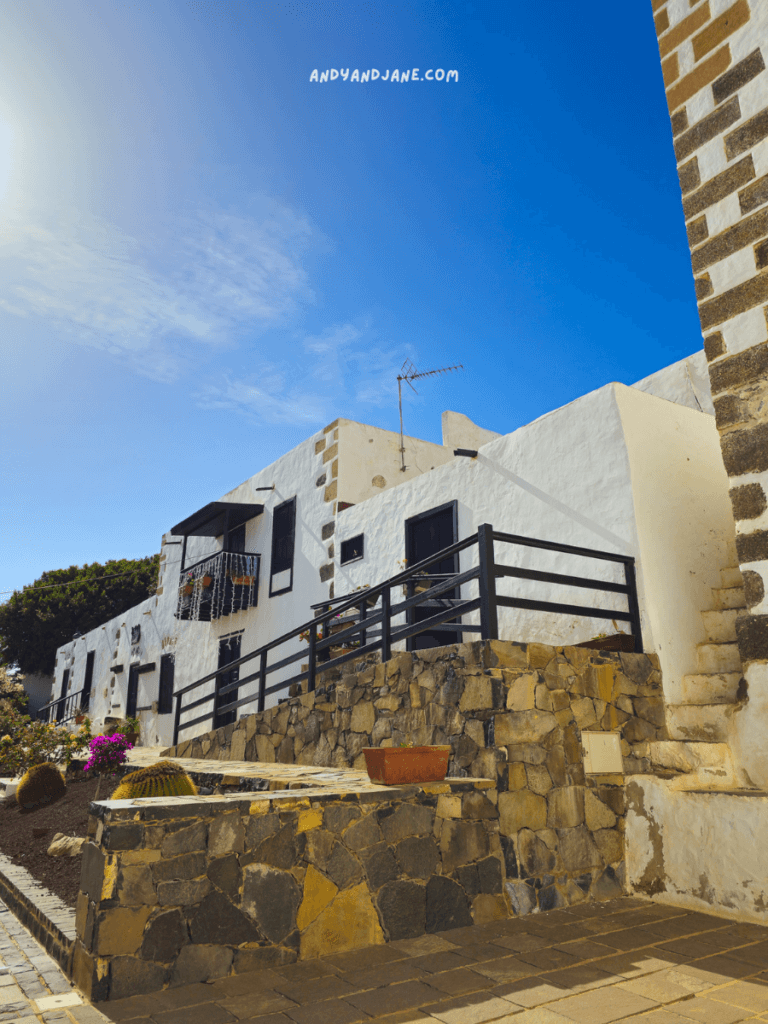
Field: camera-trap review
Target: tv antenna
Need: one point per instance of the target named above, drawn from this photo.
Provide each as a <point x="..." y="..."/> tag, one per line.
<point x="407" y="374"/>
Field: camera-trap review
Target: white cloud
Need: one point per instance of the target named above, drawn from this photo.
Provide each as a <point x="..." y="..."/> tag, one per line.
<point x="227" y="272"/>
<point x="339" y="372"/>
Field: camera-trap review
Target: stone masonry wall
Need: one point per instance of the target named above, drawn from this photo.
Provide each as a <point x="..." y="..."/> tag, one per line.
<point x="191" y="889"/>
<point x="512" y="713"/>
<point x="713" y="60"/>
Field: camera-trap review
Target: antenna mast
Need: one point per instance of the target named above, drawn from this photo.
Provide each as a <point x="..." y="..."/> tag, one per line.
<point x="407" y="374"/>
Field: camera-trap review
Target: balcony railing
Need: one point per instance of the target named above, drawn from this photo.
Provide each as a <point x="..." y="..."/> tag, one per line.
<point x="368" y="617"/>
<point x="218" y="585"/>
<point x="64" y="709"/>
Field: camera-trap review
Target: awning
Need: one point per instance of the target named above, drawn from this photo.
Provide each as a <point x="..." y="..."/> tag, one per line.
<point x="210" y="520"/>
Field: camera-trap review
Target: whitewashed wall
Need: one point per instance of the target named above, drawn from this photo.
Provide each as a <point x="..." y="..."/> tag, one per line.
<point x="617" y="470"/>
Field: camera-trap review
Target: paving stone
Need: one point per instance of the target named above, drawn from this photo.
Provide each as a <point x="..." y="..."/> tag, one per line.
<point x="602" y="1005"/>
<point x="332" y="1011"/>
<point x="709" y="1011"/>
<point x="405" y="996"/>
<point x="209" y="1013"/>
<point x="458" y="981"/>
<point x="315" y="989"/>
<point x="474" y="1008"/>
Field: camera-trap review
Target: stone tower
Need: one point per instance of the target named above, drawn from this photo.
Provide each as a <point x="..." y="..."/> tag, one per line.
<point x="713" y="60"/>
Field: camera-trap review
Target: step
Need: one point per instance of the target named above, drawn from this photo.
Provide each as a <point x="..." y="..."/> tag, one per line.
<point x="703" y="765"/>
<point x="728" y="597"/>
<point x="731" y="577"/>
<point x="720" y="625"/>
<point x="688" y="757"/>
<point x="710" y="688"/>
<point x="715" y="658"/>
<point x="700" y="723"/>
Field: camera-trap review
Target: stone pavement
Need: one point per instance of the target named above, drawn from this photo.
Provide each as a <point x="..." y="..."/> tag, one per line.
<point x="627" y="959"/>
<point x="32" y="986"/>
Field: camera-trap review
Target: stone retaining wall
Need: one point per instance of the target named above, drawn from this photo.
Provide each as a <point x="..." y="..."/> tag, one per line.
<point x="185" y="890"/>
<point x="512" y="713"/>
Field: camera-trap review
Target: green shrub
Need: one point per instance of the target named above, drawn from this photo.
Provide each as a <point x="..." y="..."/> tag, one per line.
<point x="162" y="779"/>
<point x="40" y="784"/>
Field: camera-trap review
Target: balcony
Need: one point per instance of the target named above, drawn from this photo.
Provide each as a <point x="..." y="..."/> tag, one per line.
<point x="219" y="585"/>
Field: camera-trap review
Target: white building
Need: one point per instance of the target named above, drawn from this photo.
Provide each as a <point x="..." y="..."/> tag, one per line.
<point x="631" y="471"/>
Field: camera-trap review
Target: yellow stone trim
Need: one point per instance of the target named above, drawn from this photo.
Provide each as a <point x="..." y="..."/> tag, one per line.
<point x="110" y="878"/>
<point x="331" y="426"/>
<point x="330" y="491"/>
<point x="330" y="453"/>
<point x="319" y="445"/>
<point x="319" y="892"/>
<point x="309" y="820"/>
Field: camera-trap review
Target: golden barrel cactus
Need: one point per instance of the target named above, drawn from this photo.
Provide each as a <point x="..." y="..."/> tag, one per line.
<point x="40" y="784"/>
<point x="166" y="778"/>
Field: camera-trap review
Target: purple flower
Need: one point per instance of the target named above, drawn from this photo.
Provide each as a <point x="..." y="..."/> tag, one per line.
<point x="107" y="753"/>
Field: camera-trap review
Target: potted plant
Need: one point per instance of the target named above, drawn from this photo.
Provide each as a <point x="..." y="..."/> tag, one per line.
<point x="132" y="730"/>
<point x="207" y="581"/>
<point x="398" y="766"/>
<point x="80" y="715"/>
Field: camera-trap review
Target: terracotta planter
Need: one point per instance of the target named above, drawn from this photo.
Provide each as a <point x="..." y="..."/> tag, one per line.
<point x="187" y="589"/>
<point x="79" y="719"/>
<point x="242" y="581"/>
<point x="397" y="766"/>
<point x="618" y="642"/>
<point x="207" y="581"/>
<point x="132" y="737"/>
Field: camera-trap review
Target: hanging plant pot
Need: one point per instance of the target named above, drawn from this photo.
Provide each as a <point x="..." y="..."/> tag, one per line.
<point x="242" y="581"/>
<point x="79" y="719"/>
<point x="187" y="589"/>
<point x="398" y="766"/>
<point x="207" y="581"/>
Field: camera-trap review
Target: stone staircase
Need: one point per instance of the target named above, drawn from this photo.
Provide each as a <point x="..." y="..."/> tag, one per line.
<point x="698" y="725"/>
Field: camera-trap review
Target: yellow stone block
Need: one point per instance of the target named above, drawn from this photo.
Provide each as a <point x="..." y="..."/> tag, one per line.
<point x="449" y="807"/>
<point x="109" y="880"/>
<point x="489" y="908"/>
<point x="435" y="788"/>
<point x="517" y="777"/>
<point x="139" y="856"/>
<point x="121" y="930"/>
<point x="309" y="820"/>
<point x="348" y="922"/>
<point x="290" y="803"/>
<point x="319" y="891"/>
<point x="260" y="806"/>
<point x="540" y="655"/>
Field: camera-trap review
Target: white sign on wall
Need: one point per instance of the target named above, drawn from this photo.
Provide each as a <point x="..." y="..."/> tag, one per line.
<point x="602" y="753"/>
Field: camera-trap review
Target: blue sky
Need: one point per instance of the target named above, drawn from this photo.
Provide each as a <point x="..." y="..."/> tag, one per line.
<point x="205" y="257"/>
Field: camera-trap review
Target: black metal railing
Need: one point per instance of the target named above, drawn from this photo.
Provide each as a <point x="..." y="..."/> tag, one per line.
<point x="218" y="585"/>
<point x="64" y="709"/>
<point x="371" y="611"/>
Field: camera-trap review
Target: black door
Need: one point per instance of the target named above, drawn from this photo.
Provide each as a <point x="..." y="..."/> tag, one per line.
<point x="229" y="650"/>
<point x="133" y="692"/>
<point x="165" y="696"/>
<point x="64" y="684"/>
<point x="425" y="535"/>
<point x="87" y="685"/>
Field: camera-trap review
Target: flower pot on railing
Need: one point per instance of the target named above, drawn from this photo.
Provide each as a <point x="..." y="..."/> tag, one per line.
<point x="399" y="766"/>
<point x="243" y="581"/>
<point x="207" y="581"/>
<point x="187" y="589"/>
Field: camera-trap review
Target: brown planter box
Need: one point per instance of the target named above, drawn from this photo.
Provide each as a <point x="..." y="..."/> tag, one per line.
<point x="396" y="766"/>
<point x="618" y="642"/>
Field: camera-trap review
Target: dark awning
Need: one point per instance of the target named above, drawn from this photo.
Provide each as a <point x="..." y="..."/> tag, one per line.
<point x="209" y="521"/>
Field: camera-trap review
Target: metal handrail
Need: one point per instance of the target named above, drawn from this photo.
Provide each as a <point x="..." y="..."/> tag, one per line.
<point x="379" y="612"/>
<point x="44" y="713"/>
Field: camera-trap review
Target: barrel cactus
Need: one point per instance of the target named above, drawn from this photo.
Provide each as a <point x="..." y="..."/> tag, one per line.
<point x="40" y="784"/>
<point x="166" y="778"/>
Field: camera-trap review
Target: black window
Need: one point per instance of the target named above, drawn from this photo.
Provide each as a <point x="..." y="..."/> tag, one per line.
<point x="352" y="549"/>
<point x="229" y="651"/>
<point x="88" y="682"/>
<point x="135" y="634"/>
<point x="133" y="691"/>
<point x="236" y="540"/>
<point x="64" y="687"/>
<point x="283" y="536"/>
<point x="165" y="696"/>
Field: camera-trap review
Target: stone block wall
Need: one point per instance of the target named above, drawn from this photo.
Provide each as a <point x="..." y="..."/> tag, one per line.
<point x="713" y="61"/>
<point x="512" y="713"/>
<point x="190" y="889"/>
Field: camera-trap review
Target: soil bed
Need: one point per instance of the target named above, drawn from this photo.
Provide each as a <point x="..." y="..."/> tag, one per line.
<point x="25" y="835"/>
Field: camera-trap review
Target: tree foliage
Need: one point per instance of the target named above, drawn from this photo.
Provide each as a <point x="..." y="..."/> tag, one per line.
<point x="40" y="618"/>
